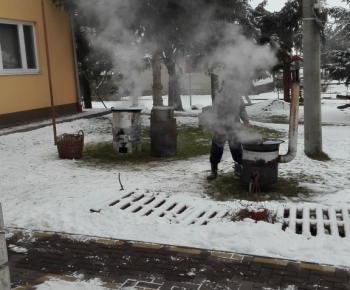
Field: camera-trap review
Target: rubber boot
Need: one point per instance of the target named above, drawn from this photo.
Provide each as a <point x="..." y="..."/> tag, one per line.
<point x="214" y="172"/>
<point x="238" y="170"/>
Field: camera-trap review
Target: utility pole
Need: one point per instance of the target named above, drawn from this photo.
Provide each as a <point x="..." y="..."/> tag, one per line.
<point x="312" y="78"/>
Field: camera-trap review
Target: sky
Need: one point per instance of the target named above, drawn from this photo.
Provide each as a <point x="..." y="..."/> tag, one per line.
<point x="60" y="193"/>
<point x="276" y="5"/>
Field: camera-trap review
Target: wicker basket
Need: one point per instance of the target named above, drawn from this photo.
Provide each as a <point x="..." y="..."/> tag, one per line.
<point x="70" y="146"/>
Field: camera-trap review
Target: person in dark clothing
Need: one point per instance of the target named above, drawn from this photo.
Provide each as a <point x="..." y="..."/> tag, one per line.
<point x="228" y="114"/>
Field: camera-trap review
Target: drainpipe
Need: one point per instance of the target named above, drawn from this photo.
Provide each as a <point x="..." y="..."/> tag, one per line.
<point x="293" y="119"/>
<point x="53" y="113"/>
<point x="71" y="17"/>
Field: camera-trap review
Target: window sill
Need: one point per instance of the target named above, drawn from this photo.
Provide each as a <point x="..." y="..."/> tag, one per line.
<point x="14" y="73"/>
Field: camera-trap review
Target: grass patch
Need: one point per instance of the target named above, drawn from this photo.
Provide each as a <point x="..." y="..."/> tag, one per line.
<point x="227" y="187"/>
<point x="319" y="156"/>
<point x="191" y="142"/>
<point x="275" y="119"/>
<point x="278" y="119"/>
<point x="269" y="133"/>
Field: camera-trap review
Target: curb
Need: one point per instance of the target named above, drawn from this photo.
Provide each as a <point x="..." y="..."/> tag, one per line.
<point x="181" y="249"/>
<point x="30" y="127"/>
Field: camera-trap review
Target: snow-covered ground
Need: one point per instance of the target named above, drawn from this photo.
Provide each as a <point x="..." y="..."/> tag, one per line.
<point x="58" y="284"/>
<point x="39" y="191"/>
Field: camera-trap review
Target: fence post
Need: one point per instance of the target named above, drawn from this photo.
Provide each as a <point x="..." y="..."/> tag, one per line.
<point x="5" y="283"/>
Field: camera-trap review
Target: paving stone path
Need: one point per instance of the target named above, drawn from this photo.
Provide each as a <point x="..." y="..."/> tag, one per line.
<point x="36" y="257"/>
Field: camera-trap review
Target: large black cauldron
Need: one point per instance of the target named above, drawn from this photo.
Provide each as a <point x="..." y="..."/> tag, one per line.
<point x="260" y="161"/>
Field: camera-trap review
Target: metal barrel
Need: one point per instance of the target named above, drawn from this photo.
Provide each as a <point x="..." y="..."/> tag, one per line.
<point x="163" y="132"/>
<point x="126" y="130"/>
<point x="264" y="165"/>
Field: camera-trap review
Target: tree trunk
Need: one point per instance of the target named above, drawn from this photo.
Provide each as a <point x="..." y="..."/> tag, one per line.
<point x="174" y="87"/>
<point x="171" y="87"/>
<point x="86" y="93"/>
<point x="215" y="86"/>
<point x="177" y="95"/>
<point x="157" y="80"/>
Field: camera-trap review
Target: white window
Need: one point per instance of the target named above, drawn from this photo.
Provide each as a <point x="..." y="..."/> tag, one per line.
<point x="17" y="47"/>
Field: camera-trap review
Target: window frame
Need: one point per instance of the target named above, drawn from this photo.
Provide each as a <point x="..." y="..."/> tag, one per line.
<point x="23" y="54"/>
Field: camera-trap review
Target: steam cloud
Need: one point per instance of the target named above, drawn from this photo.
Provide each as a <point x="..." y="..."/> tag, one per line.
<point x="113" y="36"/>
<point x="115" y="16"/>
<point x="246" y="59"/>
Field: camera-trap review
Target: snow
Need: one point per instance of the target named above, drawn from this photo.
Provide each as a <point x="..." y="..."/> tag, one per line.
<point x="39" y="191"/>
<point x="59" y="284"/>
<point x="277" y="5"/>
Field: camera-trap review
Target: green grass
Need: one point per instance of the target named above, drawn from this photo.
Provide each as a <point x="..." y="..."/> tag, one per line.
<point x="228" y="187"/>
<point x="269" y="133"/>
<point x="191" y="142"/>
<point x="319" y="156"/>
<point x="278" y="119"/>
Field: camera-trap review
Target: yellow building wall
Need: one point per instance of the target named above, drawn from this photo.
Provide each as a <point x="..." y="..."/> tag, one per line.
<point x="23" y="92"/>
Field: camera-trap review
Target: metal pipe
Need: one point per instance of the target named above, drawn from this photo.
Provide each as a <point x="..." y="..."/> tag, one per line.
<point x="293" y="125"/>
<point x="53" y="113"/>
<point x="76" y="72"/>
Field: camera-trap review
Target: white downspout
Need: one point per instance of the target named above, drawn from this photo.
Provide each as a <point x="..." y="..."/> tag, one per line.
<point x="293" y="124"/>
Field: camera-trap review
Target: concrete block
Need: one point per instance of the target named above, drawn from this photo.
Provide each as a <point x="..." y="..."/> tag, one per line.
<point x="5" y="283"/>
<point x="3" y="249"/>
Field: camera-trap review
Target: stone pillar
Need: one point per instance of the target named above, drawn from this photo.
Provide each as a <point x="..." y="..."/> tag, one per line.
<point x="312" y="80"/>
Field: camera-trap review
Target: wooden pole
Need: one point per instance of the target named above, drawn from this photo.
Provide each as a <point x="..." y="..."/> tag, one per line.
<point x="49" y="74"/>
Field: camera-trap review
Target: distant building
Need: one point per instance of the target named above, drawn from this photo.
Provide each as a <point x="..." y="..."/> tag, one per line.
<point x="197" y="82"/>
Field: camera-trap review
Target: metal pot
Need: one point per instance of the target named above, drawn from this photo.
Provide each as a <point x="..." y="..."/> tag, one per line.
<point x="267" y="145"/>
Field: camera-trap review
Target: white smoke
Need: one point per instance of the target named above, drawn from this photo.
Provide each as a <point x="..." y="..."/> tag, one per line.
<point x="114" y="17"/>
<point x="243" y="60"/>
<point x="236" y="51"/>
<point x="114" y="37"/>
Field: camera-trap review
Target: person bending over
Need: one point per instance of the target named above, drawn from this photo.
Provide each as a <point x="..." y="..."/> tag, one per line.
<point x="228" y="114"/>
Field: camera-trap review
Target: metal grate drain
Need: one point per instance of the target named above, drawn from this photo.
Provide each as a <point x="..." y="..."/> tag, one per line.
<point x="311" y="220"/>
<point x="316" y="220"/>
<point x="161" y="205"/>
